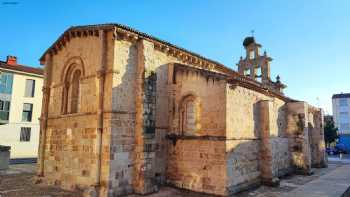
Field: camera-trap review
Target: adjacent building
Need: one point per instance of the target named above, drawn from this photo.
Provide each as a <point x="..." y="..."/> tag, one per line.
<point x="341" y="116"/>
<point x="125" y="112"/>
<point x="20" y="107"/>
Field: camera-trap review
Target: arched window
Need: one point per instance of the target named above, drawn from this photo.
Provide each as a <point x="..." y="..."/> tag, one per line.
<point x="189" y="115"/>
<point x="73" y="72"/>
<point x="75" y="92"/>
<point x="71" y="90"/>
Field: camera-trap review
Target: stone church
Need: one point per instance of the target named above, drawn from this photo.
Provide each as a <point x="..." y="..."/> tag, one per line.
<point x="124" y="112"/>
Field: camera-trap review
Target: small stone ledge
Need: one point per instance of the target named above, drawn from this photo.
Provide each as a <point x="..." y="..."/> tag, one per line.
<point x="174" y="137"/>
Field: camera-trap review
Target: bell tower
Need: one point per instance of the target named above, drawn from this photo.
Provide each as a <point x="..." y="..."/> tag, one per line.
<point x="257" y="66"/>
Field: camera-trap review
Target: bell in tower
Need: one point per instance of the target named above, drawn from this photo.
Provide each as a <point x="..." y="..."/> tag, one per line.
<point x="256" y="66"/>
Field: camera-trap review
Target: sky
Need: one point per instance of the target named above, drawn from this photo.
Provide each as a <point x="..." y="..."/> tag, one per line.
<point x="308" y="40"/>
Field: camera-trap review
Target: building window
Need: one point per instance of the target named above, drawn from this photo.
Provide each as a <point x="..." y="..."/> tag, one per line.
<point x="75" y="92"/>
<point x="25" y="134"/>
<point x="343" y="102"/>
<point x="189" y="115"/>
<point x="6" y="80"/>
<point x="27" y="112"/>
<point x="4" y="110"/>
<point x="30" y="88"/>
<point x="71" y="92"/>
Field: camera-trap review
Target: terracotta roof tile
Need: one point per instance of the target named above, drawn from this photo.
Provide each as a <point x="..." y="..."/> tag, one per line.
<point x="22" y="68"/>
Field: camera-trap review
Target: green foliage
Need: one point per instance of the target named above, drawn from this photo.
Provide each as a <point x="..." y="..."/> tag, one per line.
<point x="330" y="132"/>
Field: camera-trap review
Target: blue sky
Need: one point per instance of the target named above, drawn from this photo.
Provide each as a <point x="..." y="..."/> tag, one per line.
<point x="308" y="40"/>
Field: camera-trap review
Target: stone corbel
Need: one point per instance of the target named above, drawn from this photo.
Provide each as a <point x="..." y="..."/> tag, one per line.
<point x="54" y="50"/>
<point x="184" y="58"/>
<point x="120" y="35"/>
<point x="72" y="33"/>
<point x="156" y="45"/>
<point x="96" y="33"/>
<point x="131" y="37"/>
<point x="166" y="50"/>
<point x="172" y="52"/>
<point x="85" y="33"/>
<point x="234" y="85"/>
<point x="179" y="55"/>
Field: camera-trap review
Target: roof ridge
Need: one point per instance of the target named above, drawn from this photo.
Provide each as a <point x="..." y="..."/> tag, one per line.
<point x="143" y="34"/>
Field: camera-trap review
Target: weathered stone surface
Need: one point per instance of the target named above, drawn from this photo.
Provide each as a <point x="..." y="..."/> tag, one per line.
<point x="150" y="114"/>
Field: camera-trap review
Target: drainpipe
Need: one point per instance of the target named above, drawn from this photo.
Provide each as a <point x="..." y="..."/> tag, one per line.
<point x="44" y="112"/>
<point x="101" y="76"/>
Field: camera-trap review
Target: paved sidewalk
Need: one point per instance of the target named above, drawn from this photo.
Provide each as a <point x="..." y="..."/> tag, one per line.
<point x="333" y="184"/>
<point x="338" y="160"/>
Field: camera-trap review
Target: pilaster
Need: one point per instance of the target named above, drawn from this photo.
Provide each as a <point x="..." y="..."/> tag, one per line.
<point x="44" y="112"/>
<point x="266" y="155"/>
<point x="143" y="153"/>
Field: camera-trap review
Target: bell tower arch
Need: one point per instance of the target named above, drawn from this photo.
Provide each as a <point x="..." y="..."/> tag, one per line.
<point x="256" y="66"/>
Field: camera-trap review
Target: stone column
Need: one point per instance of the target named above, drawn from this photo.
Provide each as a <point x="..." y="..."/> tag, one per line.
<point x="265" y="72"/>
<point x="252" y="72"/>
<point x="266" y="155"/>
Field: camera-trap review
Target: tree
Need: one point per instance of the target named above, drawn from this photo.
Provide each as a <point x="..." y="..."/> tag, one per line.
<point x="330" y="132"/>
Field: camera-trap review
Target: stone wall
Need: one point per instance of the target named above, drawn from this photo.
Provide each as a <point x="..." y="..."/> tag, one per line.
<point x="316" y="135"/>
<point x="298" y="119"/>
<point x="210" y="92"/>
<point x="70" y="142"/>
<point x="70" y="159"/>
<point x="242" y="164"/>
<point x="244" y="132"/>
<point x="198" y="165"/>
<point x="281" y="163"/>
<point x="123" y="118"/>
<point x="132" y="97"/>
<point x="149" y="157"/>
<point x="197" y="162"/>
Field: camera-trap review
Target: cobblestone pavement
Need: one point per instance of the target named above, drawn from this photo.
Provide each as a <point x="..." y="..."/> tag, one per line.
<point x="19" y="180"/>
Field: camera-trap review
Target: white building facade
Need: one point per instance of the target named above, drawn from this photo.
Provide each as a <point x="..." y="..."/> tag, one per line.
<point x="20" y="107"/>
<point x="341" y="115"/>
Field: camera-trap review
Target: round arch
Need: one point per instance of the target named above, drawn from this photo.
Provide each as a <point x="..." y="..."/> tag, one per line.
<point x="189" y="114"/>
